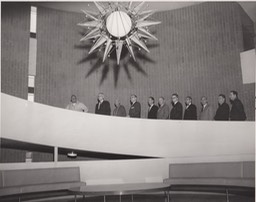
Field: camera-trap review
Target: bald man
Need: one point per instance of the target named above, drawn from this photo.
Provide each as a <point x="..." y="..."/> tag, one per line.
<point x="164" y="110"/>
<point x="75" y="105"/>
<point x="206" y="111"/>
<point x="119" y="109"/>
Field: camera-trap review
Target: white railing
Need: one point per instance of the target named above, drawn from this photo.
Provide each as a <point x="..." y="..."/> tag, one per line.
<point x="41" y="124"/>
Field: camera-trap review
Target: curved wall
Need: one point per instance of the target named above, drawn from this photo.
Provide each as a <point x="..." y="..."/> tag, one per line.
<point x="42" y="124"/>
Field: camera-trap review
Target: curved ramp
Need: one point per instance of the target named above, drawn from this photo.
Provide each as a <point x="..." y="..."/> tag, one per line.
<point x="41" y="124"/>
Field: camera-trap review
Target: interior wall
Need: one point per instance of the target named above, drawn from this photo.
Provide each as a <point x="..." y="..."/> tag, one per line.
<point x="197" y="54"/>
<point x="15" y="24"/>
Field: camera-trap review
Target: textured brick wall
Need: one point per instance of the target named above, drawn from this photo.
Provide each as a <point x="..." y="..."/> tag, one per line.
<point x="14" y="48"/>
<point x="198" y="53"/>
<point x="11" y="155"/>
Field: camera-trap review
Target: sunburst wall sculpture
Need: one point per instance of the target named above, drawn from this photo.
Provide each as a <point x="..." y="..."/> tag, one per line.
<point x="118" y="25"/>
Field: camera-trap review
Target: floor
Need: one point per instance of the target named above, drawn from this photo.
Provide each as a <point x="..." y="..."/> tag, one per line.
<point x="148" y="198"/>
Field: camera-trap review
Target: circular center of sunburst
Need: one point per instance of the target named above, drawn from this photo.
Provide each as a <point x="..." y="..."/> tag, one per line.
<point x="118" y="24"/>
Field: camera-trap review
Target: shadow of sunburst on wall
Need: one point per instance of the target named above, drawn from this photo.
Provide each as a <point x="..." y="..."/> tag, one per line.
<point x="126" y="63"/>
<point x="118" y="33"/>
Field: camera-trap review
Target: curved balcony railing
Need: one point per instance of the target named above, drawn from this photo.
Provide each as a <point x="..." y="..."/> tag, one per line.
<point x="41" y="124"/>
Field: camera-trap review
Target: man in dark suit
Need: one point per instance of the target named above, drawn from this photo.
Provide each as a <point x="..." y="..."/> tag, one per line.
<point x="176" y="112"/>
<point x="152" y="110"/>
<point x="103" y="106"/>
<point x="222" y="112"/>
<point x="135" y="108"/>
<point x="237" y="110"/>
<point x="190" y="110"/>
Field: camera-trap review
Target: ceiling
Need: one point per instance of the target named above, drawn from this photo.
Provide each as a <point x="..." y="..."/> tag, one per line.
<point x="249" y="7"/>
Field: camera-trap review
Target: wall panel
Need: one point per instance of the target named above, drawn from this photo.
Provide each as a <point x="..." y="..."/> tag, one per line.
<point x="15" y="19"/>
<point x="198" y="53"/>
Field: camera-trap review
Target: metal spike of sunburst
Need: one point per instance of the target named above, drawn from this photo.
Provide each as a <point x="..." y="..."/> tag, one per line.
<point x="117" y="25"/>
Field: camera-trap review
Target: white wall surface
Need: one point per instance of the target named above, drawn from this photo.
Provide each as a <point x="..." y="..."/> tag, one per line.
<point x="248" y="65"/>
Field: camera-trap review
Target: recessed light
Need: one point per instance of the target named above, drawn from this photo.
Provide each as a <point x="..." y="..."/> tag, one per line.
<point x="72" y="154"/>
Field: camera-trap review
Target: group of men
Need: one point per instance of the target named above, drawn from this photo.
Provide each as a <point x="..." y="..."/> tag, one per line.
<point x="162" y="111"/>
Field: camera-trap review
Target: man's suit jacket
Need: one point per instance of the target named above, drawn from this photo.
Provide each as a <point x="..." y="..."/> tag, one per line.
<point x="190" y="113"/>
<point x="176" y="112"/>
<point x="206" y="113"/>
<point x="163" y="112"/>
<point x="222" y="112"/>
<point x="152" y="113"/>
<point x="119" y="111"/>
<point x="135" y="110"/>
<point x="237" y="111"/>
<point x="103" y="109"/>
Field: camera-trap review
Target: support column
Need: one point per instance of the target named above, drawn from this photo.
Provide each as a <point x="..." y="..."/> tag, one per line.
<point x="227" y="195"/>
<point x="55" y="156"/>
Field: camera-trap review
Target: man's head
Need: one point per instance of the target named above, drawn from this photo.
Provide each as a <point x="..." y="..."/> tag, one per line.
<point x="151" y="101"/>
<point x="188" y="100"/>
<point x="233" y="95"/>
<point x="221" y="99"/>
<point x="73" y="99"/>
<point x="133" y="98"/>
<point x="161" y="101"/>
<point x="175" y="97"/>
<point x="117" y="102"/>
<point x="204" y="100"/>
<point x="101" y="97"/>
